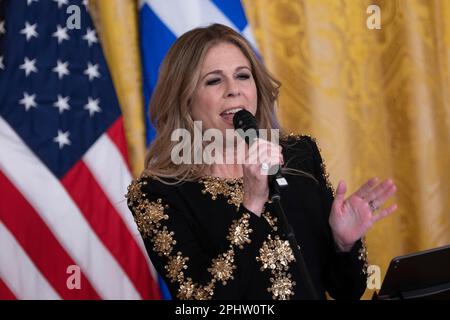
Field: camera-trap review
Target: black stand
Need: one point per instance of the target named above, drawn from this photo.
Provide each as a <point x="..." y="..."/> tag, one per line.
<point x="288" y="233"/>
<point x="420" y="275"/>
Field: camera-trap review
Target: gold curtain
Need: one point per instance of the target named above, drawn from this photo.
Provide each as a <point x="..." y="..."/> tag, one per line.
<point x="116" y="22"/>
<point x="378" y="101"/>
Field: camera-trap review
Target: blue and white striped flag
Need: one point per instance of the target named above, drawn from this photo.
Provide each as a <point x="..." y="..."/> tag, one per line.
<point x="163" y="21"/>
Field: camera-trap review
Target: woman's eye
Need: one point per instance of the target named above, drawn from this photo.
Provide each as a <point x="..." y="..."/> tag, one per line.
<point x="243" y="76"/>
<point x="212" y="81"/>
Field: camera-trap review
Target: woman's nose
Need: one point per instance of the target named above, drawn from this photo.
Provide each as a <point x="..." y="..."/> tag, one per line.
<point x="232" y="89"/>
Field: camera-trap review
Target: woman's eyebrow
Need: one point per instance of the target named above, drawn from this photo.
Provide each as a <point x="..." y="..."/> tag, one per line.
<point x="213" y="72"/>
<point x="221" y="72"/>
<point x="243" y="67"/>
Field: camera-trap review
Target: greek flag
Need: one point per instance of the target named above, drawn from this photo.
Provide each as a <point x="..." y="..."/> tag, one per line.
<point x="163" y="21"/>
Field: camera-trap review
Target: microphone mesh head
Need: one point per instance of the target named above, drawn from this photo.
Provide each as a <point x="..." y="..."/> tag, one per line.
<point x="245" y="124"/>
<point x="244" y="120"/>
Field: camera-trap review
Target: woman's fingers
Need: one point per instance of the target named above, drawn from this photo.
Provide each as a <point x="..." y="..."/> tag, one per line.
<point x="384" y="213"/>
<point x="384" y="196"/>
<point x="262" y="151"/>
<point x="378" y="196"/>
<point x="365" y="189"/>
<point x="379" y="190"/>
<point x="263" y="156"/>
<point x="263" y="147"/>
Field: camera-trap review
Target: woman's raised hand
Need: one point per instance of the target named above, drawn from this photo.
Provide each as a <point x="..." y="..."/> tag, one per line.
<point x="352" y="217"/>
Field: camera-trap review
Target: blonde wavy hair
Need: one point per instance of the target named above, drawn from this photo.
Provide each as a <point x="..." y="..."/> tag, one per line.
<point x="178" y="78"/>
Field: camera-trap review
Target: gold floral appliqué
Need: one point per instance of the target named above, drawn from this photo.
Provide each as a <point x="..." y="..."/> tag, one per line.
<point x="363" y="256"/>
<point x="232" y="189"/>
<point x="175" y="267"/>
<point x="149" y="216"/>
<point x="222" y="267"/>
<point x="239" y="233"/>
<point x="276" y="255"/>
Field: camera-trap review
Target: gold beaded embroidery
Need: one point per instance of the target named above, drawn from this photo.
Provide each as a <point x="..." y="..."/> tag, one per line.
<point x="325" y="174"/>
<point x="186" y="289"/>
<point x="148" y="216"/>
<point x="229" y="188"/>
<point x="240" y="231"/>
<point x="282" y="286"/>
<point x="276" y="255"/>
<point x="272" y="221"/>
<point x="204" y="293"/>
<point x="222" y="267"/>
<point x="163" y="242"/>
<point x="175" y="267"/>
<point x="363" y="255"/>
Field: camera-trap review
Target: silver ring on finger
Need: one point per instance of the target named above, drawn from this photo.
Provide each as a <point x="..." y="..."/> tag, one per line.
<point x="265" y="167"/>
<point x="372" y="206"/>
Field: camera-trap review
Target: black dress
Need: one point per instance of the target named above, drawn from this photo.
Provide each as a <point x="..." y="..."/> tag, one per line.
<point x="207" y="245"/>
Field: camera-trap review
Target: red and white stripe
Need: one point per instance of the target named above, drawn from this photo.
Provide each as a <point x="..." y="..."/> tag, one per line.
<point x="47" y="224"/>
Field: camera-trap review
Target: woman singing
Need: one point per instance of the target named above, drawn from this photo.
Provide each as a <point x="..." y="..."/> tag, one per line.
<point x="210" y="228"/>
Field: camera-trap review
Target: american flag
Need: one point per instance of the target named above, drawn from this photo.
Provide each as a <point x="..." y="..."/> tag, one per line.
<point x="63" y="162"/>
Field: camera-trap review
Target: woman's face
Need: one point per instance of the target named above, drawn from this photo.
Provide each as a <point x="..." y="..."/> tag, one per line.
<point x="226" y="85"/>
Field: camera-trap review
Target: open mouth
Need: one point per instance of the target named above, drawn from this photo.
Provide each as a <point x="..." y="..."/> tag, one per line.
<point x="231" y="111"/>
<point x="228" y="114"/>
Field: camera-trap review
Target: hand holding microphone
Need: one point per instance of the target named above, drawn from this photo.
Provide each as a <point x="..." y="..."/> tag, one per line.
<point x="256" y="184"/>
<point x="262" y="160"/>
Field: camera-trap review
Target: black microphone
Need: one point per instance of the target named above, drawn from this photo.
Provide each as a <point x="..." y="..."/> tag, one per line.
<point x="245" y="121"/>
